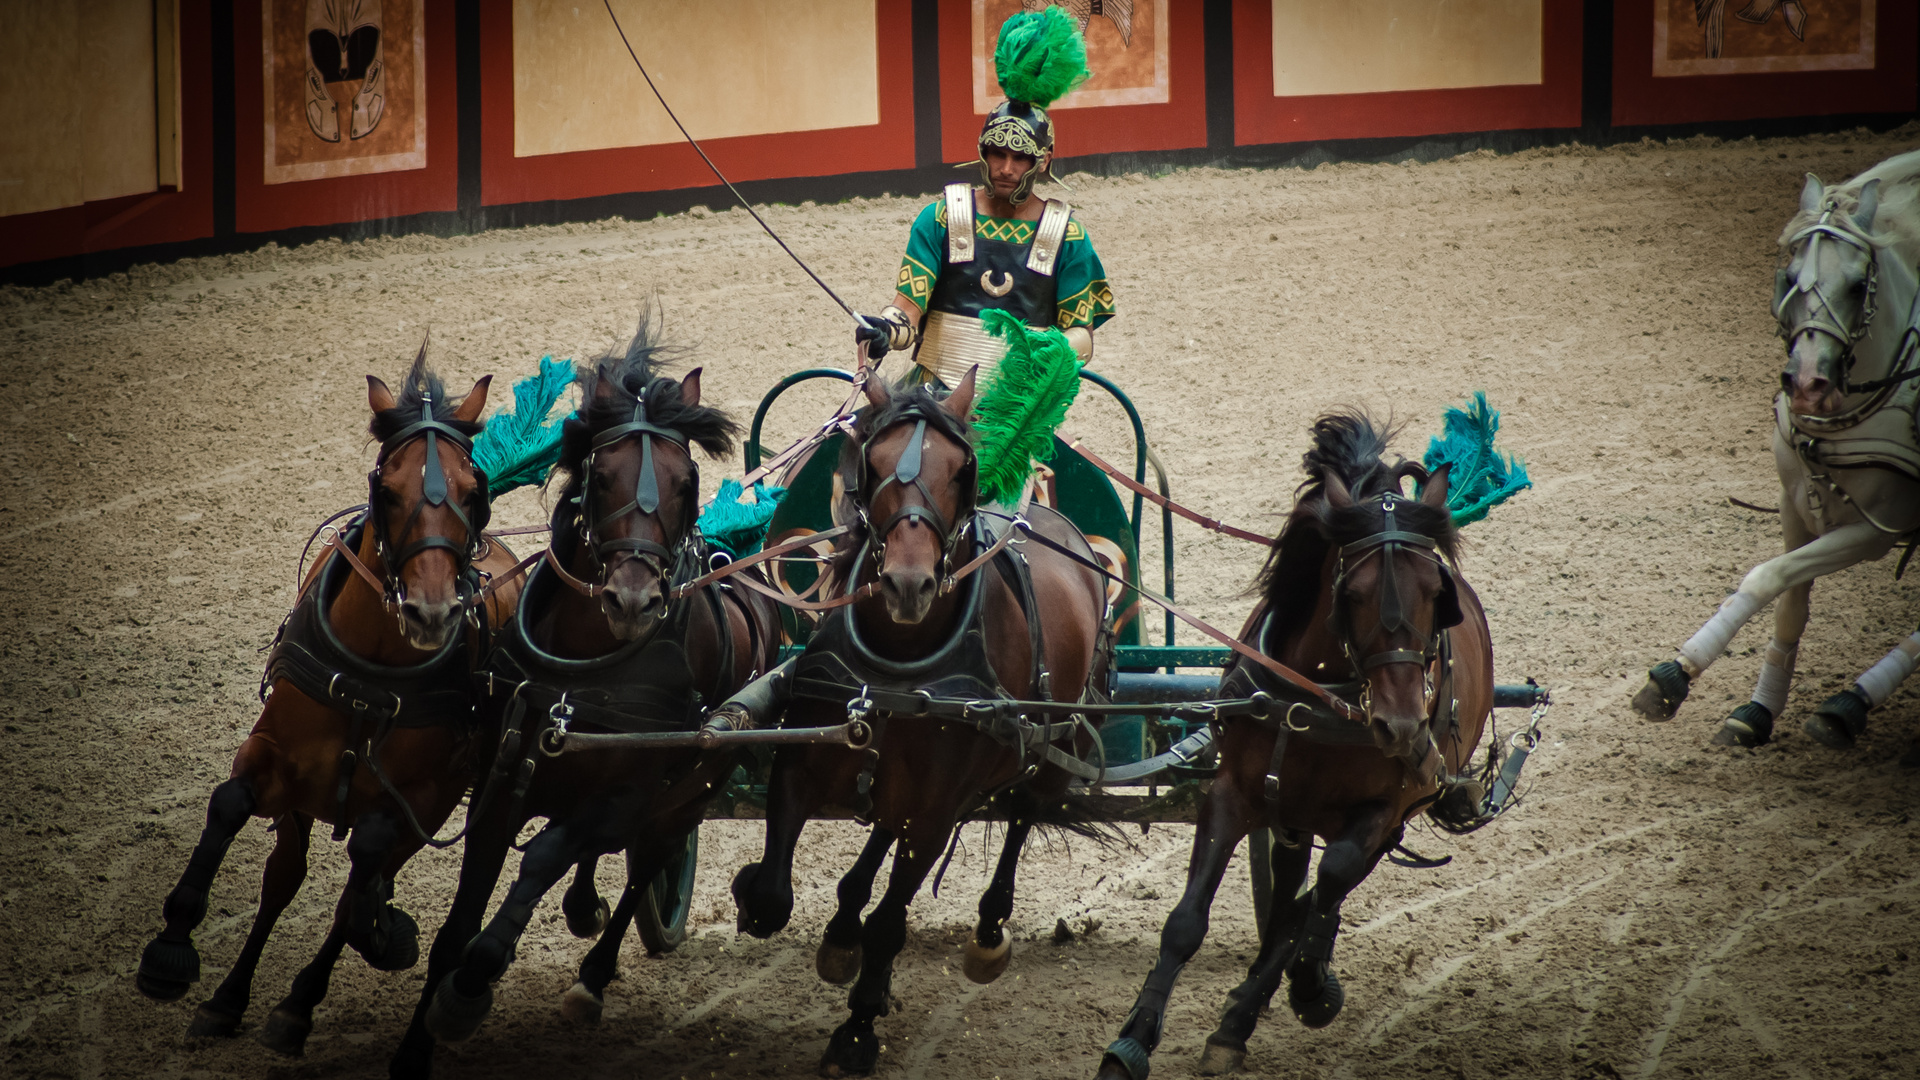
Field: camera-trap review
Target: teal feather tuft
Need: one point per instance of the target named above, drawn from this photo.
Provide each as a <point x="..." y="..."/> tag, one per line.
<point x="1024" y="402"/>
<point x="1481" y="478"/>
<point x="518" y="447"/>
<point x="1041" y="56"/>
<point x="739" y="527"/>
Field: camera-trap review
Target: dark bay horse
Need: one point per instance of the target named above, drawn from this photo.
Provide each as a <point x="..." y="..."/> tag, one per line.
<point x="368" y="718"/>
<point x="908" y="470"/>
<point x="1359" y="582"/>
<point x="601" y="641"/>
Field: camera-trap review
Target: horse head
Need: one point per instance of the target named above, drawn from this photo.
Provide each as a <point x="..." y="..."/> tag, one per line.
<point x="914" y="475"/>
<point x="1824" y="296"/>
<point x="426" y="503"/>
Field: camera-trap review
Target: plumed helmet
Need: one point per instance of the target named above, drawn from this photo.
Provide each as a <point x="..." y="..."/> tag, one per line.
<point x="1040" y="58"/>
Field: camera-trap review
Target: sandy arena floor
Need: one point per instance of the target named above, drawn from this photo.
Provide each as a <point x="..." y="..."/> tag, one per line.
<point x="1656" y="907"/>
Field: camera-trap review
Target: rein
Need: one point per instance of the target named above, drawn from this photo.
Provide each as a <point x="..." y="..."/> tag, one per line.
<point x="1157" y="499"/>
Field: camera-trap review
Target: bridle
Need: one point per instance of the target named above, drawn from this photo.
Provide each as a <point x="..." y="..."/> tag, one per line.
<point x="1820" y="316"/>
<point x="434" y="492"/>
<point x="1388" y="542"/>
<point x="606" y="554"/>
<point x="908" y="472"/>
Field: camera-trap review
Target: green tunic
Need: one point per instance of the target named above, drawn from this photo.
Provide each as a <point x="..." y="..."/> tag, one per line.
<point x="1082" y="295"/>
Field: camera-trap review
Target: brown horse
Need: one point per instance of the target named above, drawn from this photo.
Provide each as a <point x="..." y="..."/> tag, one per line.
<point x="601" y="641"/>
<point x="368" y="721"/>
<point x="1360" y="582"/>
<point x="909" y="467"/>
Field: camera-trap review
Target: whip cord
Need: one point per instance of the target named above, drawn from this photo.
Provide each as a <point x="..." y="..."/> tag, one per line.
<point x="744" y="205"/>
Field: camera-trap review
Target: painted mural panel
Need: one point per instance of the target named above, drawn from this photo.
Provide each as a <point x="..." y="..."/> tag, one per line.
<point x="1726" y="37"/>
<point x="346" y="87"/>
<point x="1126" y="50"/>
<point x="1376" y="46"/>
<point x="727" y="67"/>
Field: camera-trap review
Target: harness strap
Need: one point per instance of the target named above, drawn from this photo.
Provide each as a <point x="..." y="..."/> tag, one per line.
<point x="1157" y="499"/>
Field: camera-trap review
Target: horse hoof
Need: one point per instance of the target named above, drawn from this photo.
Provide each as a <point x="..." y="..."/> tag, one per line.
<point x="1839" y="720"/>
<point x="453" y="1017"/>
<point x="284" y="1033"/>
<point x="1321" y="1010"/>
<point x="1750" y="725"/>
<point x="1219" y="1059"/>
<point x="985" y="965"/>
<point x="1125" y="1059"/>
<point x="401" y="949"/>
<point x="1667" y="686"/>
<point x="752" y="914"/>
<point x="588" y="924"/>
<point x="210" y="1023"/>
<point x="853" y="1050"/>
<point x="837" y="965"/>
<point x="580" y="1005"/>
<point x="166" y="968"/>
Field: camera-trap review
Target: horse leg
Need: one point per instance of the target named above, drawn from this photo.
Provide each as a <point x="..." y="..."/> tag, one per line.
<point x="1668" y="683"/>
<point x="291" y="1021"/>
<point x="988" y="954"/>
<point x="286" y="870"/>
<point x="170" y="962"/>
<point x="838" y="958"/>
<point x="1220" y="829"/>
<point x="584" y="1000"/>
<point x="1226" y="1048"/>
<point x="1313" y="991"/>
<point x="1841" y="718"/>
<point x="586" y="910"/>
<point x="763" y="890"/>
<point x="1751" y="724"/>
<point x="853" y="1049"/>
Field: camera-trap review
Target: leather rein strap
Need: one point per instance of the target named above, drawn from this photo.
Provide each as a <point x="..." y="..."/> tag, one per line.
<point x="1157" y="499"/>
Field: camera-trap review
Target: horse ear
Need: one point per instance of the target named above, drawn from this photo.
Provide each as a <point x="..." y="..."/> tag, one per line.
<point x="690" y="388"/>
<point x="960" y="402"/>
<point x="1869" y="204"/>
<point x="475" y="402"/>
<point x="1435" y="493"/>
<point x="1338" y="496"/>
<point x="877" y="393"/>
<point x="605" y="387"/>
<point x="379" y="398"/>
<point x="1810" y="194"/>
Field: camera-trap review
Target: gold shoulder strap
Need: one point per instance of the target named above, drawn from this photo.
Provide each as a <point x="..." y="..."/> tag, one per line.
<point x="960" y="223"/>
<point x="1048" y="237"/>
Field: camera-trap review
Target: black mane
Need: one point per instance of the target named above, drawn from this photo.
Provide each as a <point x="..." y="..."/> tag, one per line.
<point x="421" y="384"/>
<point x="914" y="401"/>
<point x="1351" y="446"/>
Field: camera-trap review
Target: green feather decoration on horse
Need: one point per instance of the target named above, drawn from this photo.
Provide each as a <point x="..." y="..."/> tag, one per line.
<point x="1026" y="399"/>
<point x="1480" y="477"/>
<point x="738" y="527"/>
<point x="519" y="446"/>
<point x="1041" y="56"/>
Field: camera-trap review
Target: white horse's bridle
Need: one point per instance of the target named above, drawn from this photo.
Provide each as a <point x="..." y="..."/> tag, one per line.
<point x="1819" y="316"/>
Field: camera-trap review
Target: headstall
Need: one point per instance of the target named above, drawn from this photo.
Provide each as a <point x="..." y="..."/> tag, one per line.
<point x="434" y="492"/>
<point x="908" y="472"/>
<point x="1393" y="615"/>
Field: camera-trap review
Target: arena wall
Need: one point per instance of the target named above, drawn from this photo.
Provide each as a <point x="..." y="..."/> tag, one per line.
<point x="152" y="129"/>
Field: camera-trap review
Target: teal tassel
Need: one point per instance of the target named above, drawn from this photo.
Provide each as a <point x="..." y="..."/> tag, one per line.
<point x="1481" y="478"/>
<point x="736" y="527"/>
<point x="518" y="447"/>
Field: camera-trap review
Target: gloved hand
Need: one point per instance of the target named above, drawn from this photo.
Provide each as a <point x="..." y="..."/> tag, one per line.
<point x="878" y="335"/>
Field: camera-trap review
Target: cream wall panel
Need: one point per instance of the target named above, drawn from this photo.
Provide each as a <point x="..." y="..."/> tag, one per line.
<point x="1368" y="46"/>
<point x="119" y="156"/>
<point x="40" y="106"/>
<point x="728" y="67"/>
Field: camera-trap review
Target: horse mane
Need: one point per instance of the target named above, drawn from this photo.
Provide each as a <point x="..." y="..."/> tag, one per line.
<point x="906" y="401"/>
<point x="1349" y="445"/>
<point x="421" y="384"/>
<point x="1899" y="213"/>
<point x="633" y="372"/>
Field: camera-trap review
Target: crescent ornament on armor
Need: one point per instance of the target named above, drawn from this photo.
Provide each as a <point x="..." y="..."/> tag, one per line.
<point x="1002" y="289"/>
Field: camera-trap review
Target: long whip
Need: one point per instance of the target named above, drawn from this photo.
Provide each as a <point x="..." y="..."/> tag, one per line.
<point x="744" y="205"/>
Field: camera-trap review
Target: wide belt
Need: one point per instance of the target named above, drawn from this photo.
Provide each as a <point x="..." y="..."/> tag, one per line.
<point x="950" y="344"/>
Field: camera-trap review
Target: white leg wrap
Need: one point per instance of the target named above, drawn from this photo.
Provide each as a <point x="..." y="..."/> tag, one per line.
<point x="1882" y="678"/>
<point x="1705" y="646"/>
<point x="1776" y="673"/>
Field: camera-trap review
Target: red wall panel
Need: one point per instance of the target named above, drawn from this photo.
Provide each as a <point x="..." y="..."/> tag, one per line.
<point x="1179" y="123"/>
<point x="508" y="179"/>
<point x="1639" y="98"/>
<point x="162" y="217"/>
<point x="1259" y="117"/>
<point x="263" y="207"/>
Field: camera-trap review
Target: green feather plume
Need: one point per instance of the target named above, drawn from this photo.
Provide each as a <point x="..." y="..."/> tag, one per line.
<point x="518" y="446"/>
<point x="1481" y="478"/>
<point x="1024" y="402"/>
<point x="740" y="528"/>
<point x="1041" y="56"/>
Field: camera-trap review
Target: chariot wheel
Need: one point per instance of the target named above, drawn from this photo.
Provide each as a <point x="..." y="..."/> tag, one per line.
<point x="661" y="916"/>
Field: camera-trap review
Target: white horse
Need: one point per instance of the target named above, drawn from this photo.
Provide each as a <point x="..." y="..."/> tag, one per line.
<point x="1844" y="443"/>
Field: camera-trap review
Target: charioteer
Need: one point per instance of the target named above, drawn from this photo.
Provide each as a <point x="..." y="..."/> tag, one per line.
<point x="995" y="245"/>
